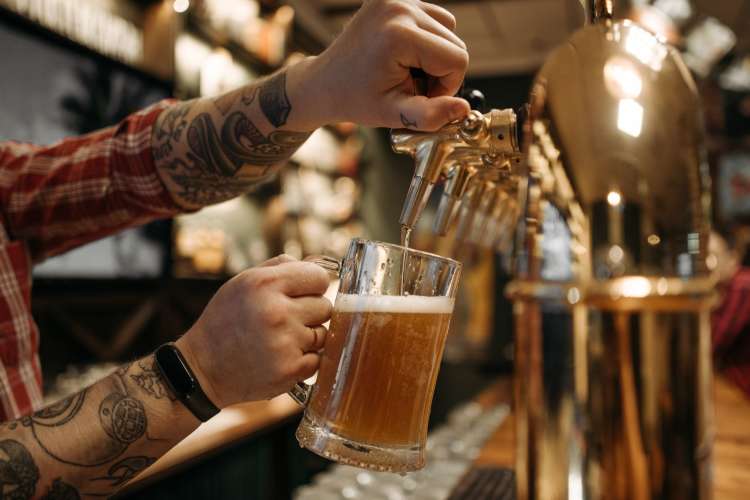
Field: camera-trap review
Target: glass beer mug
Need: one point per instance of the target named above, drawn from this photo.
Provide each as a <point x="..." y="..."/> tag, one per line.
<point x="371" y="402"/>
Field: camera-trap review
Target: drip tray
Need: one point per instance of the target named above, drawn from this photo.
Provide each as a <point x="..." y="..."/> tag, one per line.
<point x="486" y="483"/>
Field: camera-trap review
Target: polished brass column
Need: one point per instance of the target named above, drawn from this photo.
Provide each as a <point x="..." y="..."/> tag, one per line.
<point x="612" y="292"/>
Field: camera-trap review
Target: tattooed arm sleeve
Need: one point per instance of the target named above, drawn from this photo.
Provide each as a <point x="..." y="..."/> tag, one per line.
<point x="93" y="442"/>
<point x="211" y="149"/>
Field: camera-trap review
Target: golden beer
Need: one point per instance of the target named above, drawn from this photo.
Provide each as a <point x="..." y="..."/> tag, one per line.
<point x="379" y="367"/>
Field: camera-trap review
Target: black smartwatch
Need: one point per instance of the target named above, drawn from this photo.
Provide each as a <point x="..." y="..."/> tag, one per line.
<point x="183" y="383"/>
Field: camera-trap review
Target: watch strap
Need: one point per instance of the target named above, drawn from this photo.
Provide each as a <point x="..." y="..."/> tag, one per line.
<point x="183" y="383"/>
<point x="198" y="403"/>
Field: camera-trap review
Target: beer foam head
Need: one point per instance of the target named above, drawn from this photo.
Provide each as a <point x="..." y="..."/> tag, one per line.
<point x="394" y="304"/>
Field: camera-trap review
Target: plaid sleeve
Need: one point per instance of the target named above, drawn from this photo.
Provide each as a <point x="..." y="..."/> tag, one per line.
<point x="80" y="189"/>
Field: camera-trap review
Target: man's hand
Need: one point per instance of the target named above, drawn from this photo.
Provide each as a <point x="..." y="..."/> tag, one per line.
<point x="261" y="332"/>
<point x="366" y="69"/>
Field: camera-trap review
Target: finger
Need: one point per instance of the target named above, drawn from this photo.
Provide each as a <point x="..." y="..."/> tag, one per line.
<point x="314" y="338"/>
<point x="307" y="365"/>
<point x="279" y="259"/>
<point x="437" y="57"/>
<point x="297" y="279"/>
<point x="435" y="27"/>
<point x="440" y="14"/>
<point x="312" y="310"/>
<point x="428" y="113"/>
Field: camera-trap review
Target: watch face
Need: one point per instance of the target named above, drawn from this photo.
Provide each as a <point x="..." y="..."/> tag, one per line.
<point x="176" y="370"/>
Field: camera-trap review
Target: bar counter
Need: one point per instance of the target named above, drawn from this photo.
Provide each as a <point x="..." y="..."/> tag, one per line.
<point x="731" y="462"/>
<point x="731" y="448"/>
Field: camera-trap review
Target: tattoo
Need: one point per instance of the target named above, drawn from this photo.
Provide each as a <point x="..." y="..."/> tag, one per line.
<point x="210" y="171"/>
<point x="60" y="413"/>
<point x="248" y="95"/>
<point x="61" y="491"/>
<point x="225" y="102"/>
<point x="150" y="380"/>
<point x="408" y="123"/>
<point x="123" y="418"/>
<point x="169" y="129"/>
<point x="125" y="470"/>
<point x="225" y="153"/>
<point x="273" y="99"/>
<point x="122" y="421"/>
<point x="240" y="144"/>
<point x="209" y="188"/>
<point x="18" y="472"/>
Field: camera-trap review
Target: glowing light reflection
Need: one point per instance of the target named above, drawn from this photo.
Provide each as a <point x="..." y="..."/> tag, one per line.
<point x="645" y="47"/>
<point x="622" y="78"/>
<point x="630" y="117"/>
<point x="634" y="287"/>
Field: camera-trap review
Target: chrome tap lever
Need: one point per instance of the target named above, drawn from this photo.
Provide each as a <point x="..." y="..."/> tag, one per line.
<point x="468" y="212"/>
<point x="477" y="136"/>
<point x="457" y="182"/>
<point x="429" y="151"/>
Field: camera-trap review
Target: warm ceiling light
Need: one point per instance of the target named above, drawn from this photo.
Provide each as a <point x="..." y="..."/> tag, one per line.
<point x="181" y="6"/>
<point x="614" y="198"/>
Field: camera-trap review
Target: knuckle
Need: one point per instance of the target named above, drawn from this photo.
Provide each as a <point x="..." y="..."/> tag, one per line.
<point x="463" y="59"/>
<point x="395" y="33"/>
<point x="395" y="8"/>
<point x="273" y="313"/>
<point x="285" y="257"/>
<point x="314" y="276"/>
<point x="256" y="279"/>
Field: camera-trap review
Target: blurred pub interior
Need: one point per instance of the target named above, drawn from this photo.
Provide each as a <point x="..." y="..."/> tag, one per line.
<point x="73" y="66"/>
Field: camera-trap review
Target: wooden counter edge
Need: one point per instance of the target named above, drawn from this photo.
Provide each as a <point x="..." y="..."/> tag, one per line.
<point x="230" y="426"/>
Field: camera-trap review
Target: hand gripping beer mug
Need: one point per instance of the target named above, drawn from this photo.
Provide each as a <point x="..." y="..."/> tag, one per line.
<point x="371" y="402"/>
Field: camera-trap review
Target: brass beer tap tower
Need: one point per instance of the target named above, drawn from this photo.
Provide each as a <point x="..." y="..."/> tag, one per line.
<point x="607" y="217"/>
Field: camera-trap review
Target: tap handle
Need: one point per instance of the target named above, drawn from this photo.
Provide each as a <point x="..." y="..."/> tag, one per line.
<point x="475" y="98"/>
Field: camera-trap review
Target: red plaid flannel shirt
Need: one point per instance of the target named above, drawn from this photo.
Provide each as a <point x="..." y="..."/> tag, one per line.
<point x="731" y="331"/>
<point x="53" y="198"/>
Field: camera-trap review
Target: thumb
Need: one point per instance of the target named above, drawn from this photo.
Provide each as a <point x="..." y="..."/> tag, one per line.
<point x="429" y="113"/>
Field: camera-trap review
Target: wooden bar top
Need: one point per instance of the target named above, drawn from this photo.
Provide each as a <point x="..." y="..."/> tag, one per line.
<point x="731" y="447"/>
<point x="232" y="424"/>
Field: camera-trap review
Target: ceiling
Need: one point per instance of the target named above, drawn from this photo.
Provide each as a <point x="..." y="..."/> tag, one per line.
<point x="503" y="36"/>
<point x="514" y="36"/>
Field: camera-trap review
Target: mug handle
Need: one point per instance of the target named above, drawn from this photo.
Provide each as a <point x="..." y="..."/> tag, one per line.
<point x="300" y="393"/>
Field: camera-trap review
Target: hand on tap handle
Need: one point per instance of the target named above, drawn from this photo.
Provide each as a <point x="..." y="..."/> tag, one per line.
<point x="372" y="65"/>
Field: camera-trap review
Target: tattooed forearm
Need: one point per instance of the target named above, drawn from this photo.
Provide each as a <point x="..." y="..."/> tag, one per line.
<point x="95" y="441"/>
<point x="210" y="150"/>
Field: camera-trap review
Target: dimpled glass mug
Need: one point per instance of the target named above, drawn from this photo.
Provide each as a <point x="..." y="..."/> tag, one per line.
<point x="371" y="402"/>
